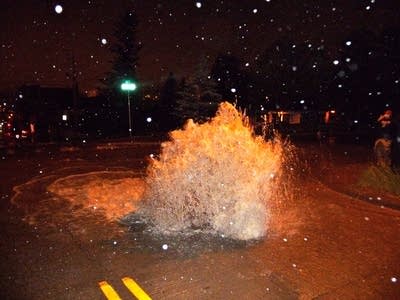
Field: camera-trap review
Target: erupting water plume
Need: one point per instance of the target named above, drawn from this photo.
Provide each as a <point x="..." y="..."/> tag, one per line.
<point x="217" y="176"/>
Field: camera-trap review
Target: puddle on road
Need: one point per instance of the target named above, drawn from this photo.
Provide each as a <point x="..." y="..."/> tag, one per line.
<point x="112" y="193"/>
<point x="91" y="206"/>
<point x="86" y="204"/>
<point x="141" y="236"/>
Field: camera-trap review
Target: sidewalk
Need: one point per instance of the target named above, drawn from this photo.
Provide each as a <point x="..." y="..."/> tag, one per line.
<point x="341" y="168"/>
<point x="105" y="144"/>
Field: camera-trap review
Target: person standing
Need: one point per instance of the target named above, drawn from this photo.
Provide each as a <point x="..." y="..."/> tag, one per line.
<point x="396" y="142"/>
<point x="384" y="143"/>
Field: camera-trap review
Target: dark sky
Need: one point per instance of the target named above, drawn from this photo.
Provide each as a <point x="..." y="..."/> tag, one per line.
<point x="36" y="43"/>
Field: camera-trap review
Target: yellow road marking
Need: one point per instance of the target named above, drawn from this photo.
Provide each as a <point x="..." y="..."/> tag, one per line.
<point x="135" y="289"/>
<point x="108" y="291"/>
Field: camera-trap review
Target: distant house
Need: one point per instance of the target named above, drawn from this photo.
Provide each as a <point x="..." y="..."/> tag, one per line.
<point x="42" y="111"/>
<point x="305" y="123"/>
<point x="50" y="114"/>
<point x="287" y="117"/>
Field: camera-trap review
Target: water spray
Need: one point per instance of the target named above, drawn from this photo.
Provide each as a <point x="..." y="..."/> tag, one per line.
<point x="216" y="176"/>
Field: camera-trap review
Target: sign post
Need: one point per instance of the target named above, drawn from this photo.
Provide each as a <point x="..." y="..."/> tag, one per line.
<point x="129" y="86"/>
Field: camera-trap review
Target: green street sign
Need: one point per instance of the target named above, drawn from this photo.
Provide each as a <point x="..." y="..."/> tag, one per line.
<point x="128" y="86"/>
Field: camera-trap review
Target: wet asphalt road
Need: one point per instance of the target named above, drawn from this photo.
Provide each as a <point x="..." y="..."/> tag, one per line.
<point x="325" y="245"/>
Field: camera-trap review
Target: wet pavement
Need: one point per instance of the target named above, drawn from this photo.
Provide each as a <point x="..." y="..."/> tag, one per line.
<point x="324" y="244"/>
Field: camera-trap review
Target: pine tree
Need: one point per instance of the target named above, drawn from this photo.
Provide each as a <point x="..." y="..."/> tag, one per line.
<point x="290" y="73"/>
<point x="168" y="97"/>
<point x="234" y="83"/>
<point x="187" y="102"/>
<point x="197" y="97"/>
<point x="125" y="50"/>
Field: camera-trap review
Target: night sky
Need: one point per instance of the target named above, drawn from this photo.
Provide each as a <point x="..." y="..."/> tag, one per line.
<point x="37" y="43"/>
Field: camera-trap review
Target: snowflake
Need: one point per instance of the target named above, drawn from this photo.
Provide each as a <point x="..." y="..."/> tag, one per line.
<point x="58" y="9"/>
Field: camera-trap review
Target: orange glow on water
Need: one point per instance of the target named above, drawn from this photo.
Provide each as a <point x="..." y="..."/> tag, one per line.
<point x="114" y="194"/>
<point x="217" y="175"/>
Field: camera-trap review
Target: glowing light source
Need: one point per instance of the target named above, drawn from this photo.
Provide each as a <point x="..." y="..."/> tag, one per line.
<point x="128" y="86"/>
<point x="58" y="9"/>
<point x="104" y="41"/>
<point x="198" y="4"/>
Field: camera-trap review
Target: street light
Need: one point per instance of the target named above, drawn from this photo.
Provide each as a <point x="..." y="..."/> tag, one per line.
<point x="128" y="86"/>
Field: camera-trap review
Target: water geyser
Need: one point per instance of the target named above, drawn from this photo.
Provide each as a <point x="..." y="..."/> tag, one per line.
<point x="216" y="176"/>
